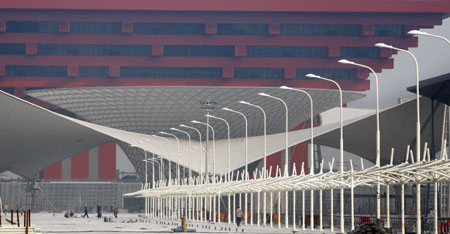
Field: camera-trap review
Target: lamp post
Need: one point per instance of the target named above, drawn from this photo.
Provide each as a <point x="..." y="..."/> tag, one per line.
<point x="229" y="159"/>
<point x="200" y="143"/>
<point x="169" y="162"/>
<point x="377" y="162"/>
<point x="286" y="156"/>
<point x="190" y="146"/>
<point x="146" y="176"/>
<point x="214" y="165"/>
<point x="246" y="156"/>
<point x="418" y="142"/>
<point x="214" y="145"/>
<point x="160" y="158"/>
<point x="341" y="143"/>
<point x="311" y="172"/>
<point x="177" y="182"/>
<point x="419" y="33"/>
<point x="265" y="154"/>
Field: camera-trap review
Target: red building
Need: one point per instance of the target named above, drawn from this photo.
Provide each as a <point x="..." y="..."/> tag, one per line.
<point x="62" y="43"/>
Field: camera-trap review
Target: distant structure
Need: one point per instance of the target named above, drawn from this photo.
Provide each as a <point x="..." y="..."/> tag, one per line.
<point x="53" y="44"/>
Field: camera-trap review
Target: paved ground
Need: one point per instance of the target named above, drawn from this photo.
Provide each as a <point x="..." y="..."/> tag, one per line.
<point x="134" y="223"/>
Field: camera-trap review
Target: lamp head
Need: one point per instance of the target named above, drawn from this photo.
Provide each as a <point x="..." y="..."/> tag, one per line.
<point x="174" y="129"/>
<point x="227" y="109"/>
<point x="285" y="87"/>
<point x="264" y="94"/>
<point x="155" y="136"/>
<point x="345" y="61"/>
<point x="310" y="75"/>
<point x="417" y="32"/>
<point x="382" y="45"/>
<point x="244" y="102"/>
<point x="194" y="121"/>
<point x="182" y="125"/>
<point x="165" y="133"/>
<point x="208" y="115"/>
<point x="133" y="145"/>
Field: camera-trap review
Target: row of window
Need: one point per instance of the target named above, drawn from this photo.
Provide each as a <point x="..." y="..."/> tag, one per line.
<point x="176" y="72"/>
<point x="190" y="51"/>
<point x="199" y="28"/>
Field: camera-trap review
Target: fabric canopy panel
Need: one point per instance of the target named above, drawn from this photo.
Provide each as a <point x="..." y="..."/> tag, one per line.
<point x="32" y="138"/>
<point x="149" y="110"/>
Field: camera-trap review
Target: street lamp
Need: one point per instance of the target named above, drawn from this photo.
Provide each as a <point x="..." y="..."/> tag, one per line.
<point x="200" y="143"/>
<point x="190" y="155"/>
<point x="229" y="159"/>
<point x="178" y="154"/>
<point x="286" y="156"/>
<point x="265" y="154"/>
<point x="418" y="142"/>
<point x="246" y="156"/>
<point x="214" y="146"/>
<point x="146" y="176"/>
<point x="377" y="162"/>
<point x="419" y="33"/>
<point x="169" y="161"/>
<point x="341" y="142"/>
<point x="312" y="147"/>
<point x="214" y="166"/>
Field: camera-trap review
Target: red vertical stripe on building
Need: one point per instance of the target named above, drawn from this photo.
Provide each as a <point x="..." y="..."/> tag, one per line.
<point x="53" y="172"/>
<point x="107" y="161"/>
<point x="80" y="166"/>
<point x="274" y="160"/>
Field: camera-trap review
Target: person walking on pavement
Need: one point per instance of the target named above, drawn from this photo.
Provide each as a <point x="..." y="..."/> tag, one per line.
<point x="99" y="210"/>
<point x="85" y="211"/>
<point x="238" y="216"/>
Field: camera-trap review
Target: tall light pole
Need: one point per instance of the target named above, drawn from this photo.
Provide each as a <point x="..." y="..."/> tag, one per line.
<point x="214" y="146"/>
<point x="286" y="156"/>
<point x="418" y="142"/>
<point x="169" y="161"/>
<point x="341" y="142"/>
<point x="265" y="155"/>
<point x="160" y="158"/>
<point x="229" y="144"/>
<point x="211" y="214"/>
<point x="377" y="162"/>
<point x="311" y="172"/>
<point x="190" y="148"/>
<point x="419" y="33"/>
<point x="146" y="175"/>
<point x="246" y="156"/>
<point x="200" y="143"/>
<point x="229" y="159"/>
<point x="178" y="154"/>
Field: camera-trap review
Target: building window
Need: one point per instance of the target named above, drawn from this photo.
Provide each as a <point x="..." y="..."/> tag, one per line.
<point x="171" y="72"/>
<point x="93" y="71"/>
<point x="360" y="52"/>
<point x="287" y="51"/>
<point x="96" y="27"/>
<point x="263" y="73"/>
<point x="11" y="48"/>
<point x="242" y="29"/>
<point x="199" y="51"/>
<point x="9" y="90"/>
<point x="32" y="27"/>
<point x="95" y="50"/>
<point x="333" y="73"/>
<point x="169" y="28"/>
<point x="50" y="71"/>
<point x="389" y="30"/>
<point x="320" y="29"/>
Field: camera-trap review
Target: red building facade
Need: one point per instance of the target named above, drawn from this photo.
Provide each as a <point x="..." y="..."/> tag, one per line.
<point x="54" y="43"/>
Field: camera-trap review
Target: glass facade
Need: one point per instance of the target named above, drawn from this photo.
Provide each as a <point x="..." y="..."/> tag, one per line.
<point x="171" y="72"/>
<point x="94" y="50"/>
<point x="199" y="51"/>
<point x="264" y="73"/>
